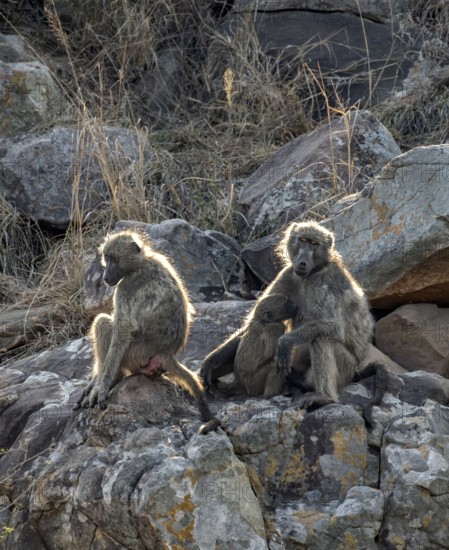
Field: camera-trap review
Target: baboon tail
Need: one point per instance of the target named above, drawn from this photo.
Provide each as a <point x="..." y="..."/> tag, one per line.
<point x="190" y="381"/>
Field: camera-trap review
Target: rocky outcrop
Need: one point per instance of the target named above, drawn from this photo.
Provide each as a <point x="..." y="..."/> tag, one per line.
<point x="138" y="476"/>
<point x="315" y="168"/>
<point x="41" y="174"/>
<point x="394" y="237"/>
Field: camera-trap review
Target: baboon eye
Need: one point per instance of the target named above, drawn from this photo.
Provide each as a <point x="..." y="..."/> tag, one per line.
<point x="313" y="243"/>
<point x="303" y="240"/>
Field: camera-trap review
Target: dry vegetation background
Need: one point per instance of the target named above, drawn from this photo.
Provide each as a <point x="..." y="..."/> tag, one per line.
<point x="236" y="107"/>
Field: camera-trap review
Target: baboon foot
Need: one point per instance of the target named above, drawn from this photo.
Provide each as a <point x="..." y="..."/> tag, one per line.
<point x="311" y="401"/>
<point x="209" y="426"/>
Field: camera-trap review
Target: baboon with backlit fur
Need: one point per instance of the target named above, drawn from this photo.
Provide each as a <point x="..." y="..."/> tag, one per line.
<point x="255" y="371"/>
<point x="332" y="326"/>
<point x="149" y="323"/>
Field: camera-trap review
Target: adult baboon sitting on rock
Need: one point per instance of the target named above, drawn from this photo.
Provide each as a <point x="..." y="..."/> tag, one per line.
<point x="148" y="326"/>
<point x="332" y="325"/>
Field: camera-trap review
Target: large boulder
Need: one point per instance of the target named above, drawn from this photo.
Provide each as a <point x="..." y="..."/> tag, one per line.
<point x="394" y="237"/>
<point x="65" y="173"/>
<point x="315" y="167"/>
<point x="28" y="96"/>
<point x="356" y="60"/>
<point x="207" y="261"/>
<point x="417" y="337"/>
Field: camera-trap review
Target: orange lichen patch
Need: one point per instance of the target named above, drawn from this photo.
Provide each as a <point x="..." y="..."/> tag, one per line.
<point x="399" y="543"/>
<point x="272" y="466"/>
<point x="426" y="522"/>
<point x="343" y="449"/>
<point x="350" y="542"/>
<point x="191" y="475"/>
<point x="297" y="468"/>
<point x="424" y="450"/>
<point x="383" y="214"/>
<point x="186" y="507"/>
<point x="309" y="517"/>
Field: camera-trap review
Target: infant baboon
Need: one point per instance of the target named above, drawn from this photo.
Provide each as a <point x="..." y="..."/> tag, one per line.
<point x="148" y="326"/>
<point x="255" y="369"/>
<point x="332" y="326"/>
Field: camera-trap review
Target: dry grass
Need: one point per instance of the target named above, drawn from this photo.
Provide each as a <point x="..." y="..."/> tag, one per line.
<point x="210" y="104"/>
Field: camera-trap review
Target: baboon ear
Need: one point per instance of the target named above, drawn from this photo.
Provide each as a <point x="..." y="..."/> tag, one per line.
<point x="136" y="247"/>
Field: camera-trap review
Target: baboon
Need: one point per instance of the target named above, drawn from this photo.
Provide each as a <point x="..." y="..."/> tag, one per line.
<point x="331" y="328"/>
<point x="149" y="323"/>
<point x="255" y="369"/>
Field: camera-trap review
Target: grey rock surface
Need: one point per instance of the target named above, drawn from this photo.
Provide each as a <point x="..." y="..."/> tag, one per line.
<point x="314" y="168"/>
<point x="394" y="238"/>
<point x="41" y="175"/>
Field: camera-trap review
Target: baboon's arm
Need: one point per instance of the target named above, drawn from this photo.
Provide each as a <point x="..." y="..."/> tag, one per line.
<point x="307" y="332"/>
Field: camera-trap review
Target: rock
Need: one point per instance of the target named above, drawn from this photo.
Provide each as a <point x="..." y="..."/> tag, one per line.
<point x="356" y="60"/>
<point x="374" y="355"/>
<point x="208" y="265"/>
<point x="382" y="10"/>
<point x="12" y="49"/>
<point x="417" y="337"/>
<point x="260" y="256"/>
<point x="314" y="167"/>
<point x="159" y="88"/>
<point x="310" y="458"/>
<point x="394" y="238"/>
<point x="21" y="325"/>
<point x="131" y="476"/>
<point x="39" y="174"/>
<point x="355" y="523"/>
<point x="28" y="96"/>
<point x="415" y="480"/>
<point x="213" y="323"/>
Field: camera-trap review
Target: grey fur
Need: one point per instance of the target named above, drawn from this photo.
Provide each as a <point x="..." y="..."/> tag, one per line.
<point x="255" y="369"/>
<point x="149" y="323"/>
<point x="333" y="325"/>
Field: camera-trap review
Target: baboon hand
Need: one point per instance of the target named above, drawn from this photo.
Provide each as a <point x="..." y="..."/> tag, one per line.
<point x="282" y="356"/>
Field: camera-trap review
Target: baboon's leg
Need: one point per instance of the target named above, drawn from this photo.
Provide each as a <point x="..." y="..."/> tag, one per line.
<point x="323" y="373"/>
<point x="190" y="381"/>
<point x="275" y="381"/>
<point x="220" y="361"/>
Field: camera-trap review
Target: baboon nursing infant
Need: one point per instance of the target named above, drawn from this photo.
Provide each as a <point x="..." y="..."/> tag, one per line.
<point x="331" y="328"/>
<point x="149" y="323"/>
<point x="255" y="369"/>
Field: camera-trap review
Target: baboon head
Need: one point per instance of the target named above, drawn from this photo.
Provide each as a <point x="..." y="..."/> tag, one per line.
<point x="274" y="308"/>
<point x="308" y="246"/>
<point x="121" y="255"/>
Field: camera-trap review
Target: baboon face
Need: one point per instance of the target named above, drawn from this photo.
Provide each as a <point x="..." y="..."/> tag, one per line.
<point x="306" y="254"/>
<point x="119" y="258"/>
